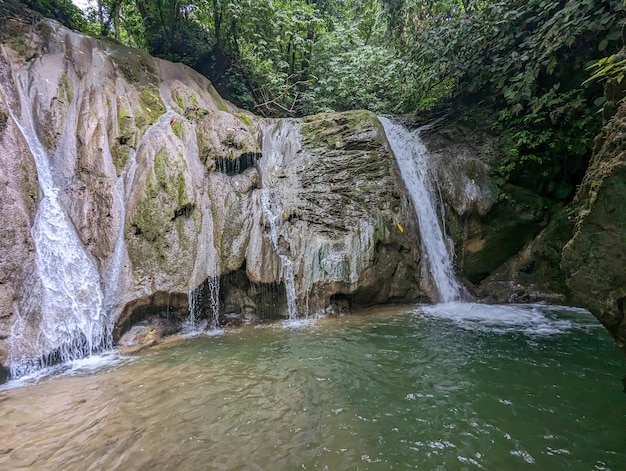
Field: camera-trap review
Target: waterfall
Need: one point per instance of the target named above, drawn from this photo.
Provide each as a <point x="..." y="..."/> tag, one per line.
<point x="412" y="157"/>
<point x="73" y="322"/>
<point x="281" y="141"/>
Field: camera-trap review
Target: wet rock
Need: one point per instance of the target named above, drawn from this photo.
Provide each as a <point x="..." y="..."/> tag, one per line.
<point x="533" y="274"/>
<point x="594" y="260"/>
<point x="147" y="333"/>
<point x="487" y="222"/>
<point x="489" y="241"/>
<point x="341" y="209"/>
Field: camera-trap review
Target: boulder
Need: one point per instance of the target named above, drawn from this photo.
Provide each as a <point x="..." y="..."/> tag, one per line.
<point x="594" y="260"/>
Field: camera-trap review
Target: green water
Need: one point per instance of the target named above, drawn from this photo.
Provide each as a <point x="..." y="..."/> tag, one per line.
<point x="449" y="388"/>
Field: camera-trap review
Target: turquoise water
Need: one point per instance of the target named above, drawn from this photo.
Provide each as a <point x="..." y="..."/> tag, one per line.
<point x="449" y="387"/>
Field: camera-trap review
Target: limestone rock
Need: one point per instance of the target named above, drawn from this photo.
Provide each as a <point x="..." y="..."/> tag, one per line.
<point x="162" y="182"/>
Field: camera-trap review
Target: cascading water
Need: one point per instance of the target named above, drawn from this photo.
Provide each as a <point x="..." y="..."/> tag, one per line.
<point x="288" y="276"/>
<point x="412" y="157"/>
<point x="72" y="321"/>
<point x="280" y="141"/>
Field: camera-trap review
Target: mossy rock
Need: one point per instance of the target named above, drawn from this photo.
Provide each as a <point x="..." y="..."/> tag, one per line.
<point x="159" y="216"/>
<point x="151" y="107"/>
<point x="340" y="130"/>
<point x="133" y="123"/>
<point x="135" y="65"/>
<point x="66" y="89"/>
<point x="188" y="106"/>
<point x="4" y="118"/>
<point x="178" y="128"/>
<point x="30" y="184"/>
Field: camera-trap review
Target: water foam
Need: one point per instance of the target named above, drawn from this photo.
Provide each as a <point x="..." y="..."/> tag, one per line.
<point x="531" y="319"/>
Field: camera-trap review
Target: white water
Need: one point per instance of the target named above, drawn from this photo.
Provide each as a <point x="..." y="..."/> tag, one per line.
<point x="412" y="157"/>
<point x="287" y="273"/>
<point x="280" y="142"/>
<point x="72" y="323"/>
<point x="191" y="325"/>
<point x="529" y="319"/>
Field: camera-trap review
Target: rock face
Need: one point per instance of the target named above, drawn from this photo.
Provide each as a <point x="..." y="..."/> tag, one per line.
<point x="513" y="246"/>
<point x="594" y="260"/>
<point x="166" y="186"/>
<point x="487" y="224"/>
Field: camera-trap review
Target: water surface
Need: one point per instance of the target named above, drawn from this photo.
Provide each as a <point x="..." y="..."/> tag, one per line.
<point x="446" y="387"/>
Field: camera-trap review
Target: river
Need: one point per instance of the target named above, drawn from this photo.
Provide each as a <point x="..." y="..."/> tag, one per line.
<point x="445" y="387"/>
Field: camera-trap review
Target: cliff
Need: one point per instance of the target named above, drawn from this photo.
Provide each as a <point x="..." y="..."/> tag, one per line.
<point x="130" y="183"/>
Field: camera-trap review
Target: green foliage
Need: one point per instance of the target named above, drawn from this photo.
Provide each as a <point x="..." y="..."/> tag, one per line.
<point x="526" y="60"/>
<point x="538" y="65"/>
<point x="61" y="10"/>
<point x="608" y="68"/>
<point x="548" y="149"/>
<point x="348" y="73"/>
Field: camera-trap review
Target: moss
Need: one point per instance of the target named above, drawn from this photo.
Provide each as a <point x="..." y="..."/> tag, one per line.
<point x="18" y="44"/>
<point x="4" y="118"/>
<point x="219" y="101"/>
<point x="177" y="128"/>
<point x="48" y="134"/>
<point x="152" y="107"/>
<point x="135" y="65"/>
<point x="66" y="88"/>
<point x="182" y="191"/>
<point x="179" y="101"/>
<point x="336" y="130"/>
<point x="132" y="124"/>
<point x="120" y="150"/>
<point x="45" y="31"/>
<point x="16" y="29"/>
<point x="160" y="167"/>
<point x="30" y="184"/>
<point x="159" y="213"/>
<point x="188" y="106"/>
<point x="246" y="119"/>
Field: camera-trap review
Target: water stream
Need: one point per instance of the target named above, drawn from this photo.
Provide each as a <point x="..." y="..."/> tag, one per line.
<point x="412" y="157"/>
<point x="73" y="322"/>
<point x="450" y="387"/>
<point x="280" y="142"/>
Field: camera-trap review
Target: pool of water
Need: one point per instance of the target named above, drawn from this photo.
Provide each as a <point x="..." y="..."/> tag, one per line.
<point x="445" y="387"/>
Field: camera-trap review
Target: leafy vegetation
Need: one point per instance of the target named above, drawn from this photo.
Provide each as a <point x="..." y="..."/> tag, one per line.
<point x="536" y="65"/>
